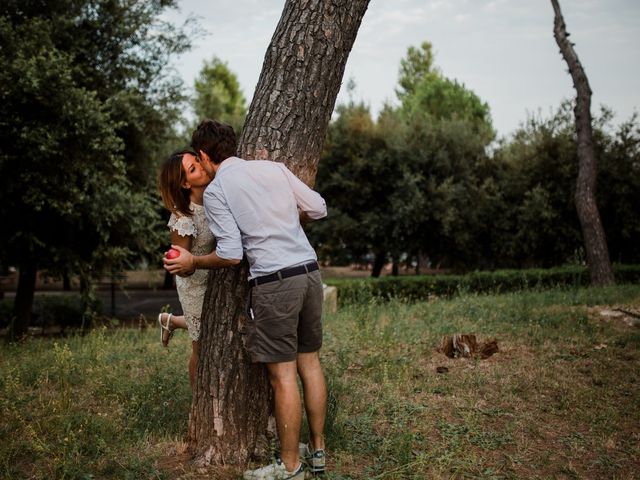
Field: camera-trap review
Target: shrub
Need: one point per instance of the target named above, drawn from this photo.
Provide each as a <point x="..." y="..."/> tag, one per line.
<point x="424" y="287"/>
<point x="63" y="310"/>
<point x="6" y="312"/>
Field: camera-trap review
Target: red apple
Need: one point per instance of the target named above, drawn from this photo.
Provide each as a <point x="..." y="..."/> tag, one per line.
<point x="172" y="253"/>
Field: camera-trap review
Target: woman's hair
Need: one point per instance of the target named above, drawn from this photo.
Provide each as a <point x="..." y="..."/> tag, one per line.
<point x="175" y="198"/>
<point x="218" y="140"/>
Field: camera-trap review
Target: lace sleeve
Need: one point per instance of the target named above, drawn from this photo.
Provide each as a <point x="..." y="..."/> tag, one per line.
<point x="183" y="225"/>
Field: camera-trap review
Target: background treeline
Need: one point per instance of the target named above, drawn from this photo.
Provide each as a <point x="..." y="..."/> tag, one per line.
<point x="426" y="182"/>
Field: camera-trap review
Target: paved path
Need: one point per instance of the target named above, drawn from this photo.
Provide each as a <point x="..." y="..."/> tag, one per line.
<point x="130" y="304"/>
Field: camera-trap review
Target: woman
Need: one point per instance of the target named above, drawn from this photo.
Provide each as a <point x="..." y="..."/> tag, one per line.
<point x="182" y="182"/>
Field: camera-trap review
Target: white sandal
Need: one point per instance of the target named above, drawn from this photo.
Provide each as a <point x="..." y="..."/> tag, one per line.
<point x="166" y="332"/>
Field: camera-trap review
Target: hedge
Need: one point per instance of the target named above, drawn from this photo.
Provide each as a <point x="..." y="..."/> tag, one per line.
<point x="422" y="287"/>
<point x="65" y="311"/>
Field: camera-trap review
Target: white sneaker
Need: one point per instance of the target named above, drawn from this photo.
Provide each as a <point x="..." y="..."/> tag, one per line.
<point x="315" y="459"/>
<point x="275" y="471"/>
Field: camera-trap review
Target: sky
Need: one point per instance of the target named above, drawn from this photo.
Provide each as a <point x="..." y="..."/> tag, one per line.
<point x="503" y="50"/>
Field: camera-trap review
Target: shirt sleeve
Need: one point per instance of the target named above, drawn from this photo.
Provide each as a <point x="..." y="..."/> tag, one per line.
<point x="222" y="224"/>
<point x="308" y="200"/>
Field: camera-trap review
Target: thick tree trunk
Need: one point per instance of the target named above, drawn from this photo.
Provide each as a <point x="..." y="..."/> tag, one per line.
<point x="287" y="122"/>
<point x="595" y="241"/>
<point x="24" y="300"/>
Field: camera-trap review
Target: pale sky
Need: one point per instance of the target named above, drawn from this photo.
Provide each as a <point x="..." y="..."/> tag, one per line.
<point x="503" y="50"/>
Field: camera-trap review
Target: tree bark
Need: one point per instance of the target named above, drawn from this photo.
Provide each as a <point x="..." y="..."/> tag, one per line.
<point x="23" y="302"/>
<point x="287" y="122"/>
<point x="593" y="234"/>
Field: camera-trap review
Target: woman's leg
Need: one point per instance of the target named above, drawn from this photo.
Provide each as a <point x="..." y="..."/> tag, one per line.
<point x="177" y="321"/>
<point x="193" y="364"/>
<point x="168" y="323"/>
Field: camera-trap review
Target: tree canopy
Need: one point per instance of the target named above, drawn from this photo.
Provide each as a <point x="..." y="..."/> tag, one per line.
<point x="86" y="106"/>
<point x="218" y="95"/>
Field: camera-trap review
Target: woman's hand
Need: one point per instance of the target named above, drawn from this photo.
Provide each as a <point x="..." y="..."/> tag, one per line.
<point x="183" y="265"/>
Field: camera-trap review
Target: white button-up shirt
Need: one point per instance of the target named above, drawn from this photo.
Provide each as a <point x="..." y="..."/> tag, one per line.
<point x="253" y="206"/>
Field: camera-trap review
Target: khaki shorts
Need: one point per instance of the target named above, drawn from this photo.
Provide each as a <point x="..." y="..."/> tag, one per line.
<point x="284" y="317"/>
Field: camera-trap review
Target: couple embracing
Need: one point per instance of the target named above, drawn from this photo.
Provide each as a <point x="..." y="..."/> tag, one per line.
<point x="253" y="208"/>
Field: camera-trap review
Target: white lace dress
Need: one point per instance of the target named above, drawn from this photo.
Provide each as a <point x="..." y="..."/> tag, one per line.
<point x="191" y="289"/>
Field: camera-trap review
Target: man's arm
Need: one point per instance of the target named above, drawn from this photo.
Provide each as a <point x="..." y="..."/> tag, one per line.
<point x="311" y="205"/>
<point x="186" y="263"/>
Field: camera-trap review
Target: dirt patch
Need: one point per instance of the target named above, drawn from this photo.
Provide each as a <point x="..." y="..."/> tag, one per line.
<point x="175" y="462"/>
<point x="626" y="317"/>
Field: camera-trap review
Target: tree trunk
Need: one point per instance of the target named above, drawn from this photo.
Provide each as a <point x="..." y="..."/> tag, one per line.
<point x="23" y="302"/>
<point x="595" y="241"/>
<point x="378" y="264"/>
<point x="287" y="122"/>
<point x="167" y="283"/>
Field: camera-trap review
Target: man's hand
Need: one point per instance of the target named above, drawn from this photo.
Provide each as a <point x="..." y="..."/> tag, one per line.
<point x="183" y="266"/>
<point x="305" y="219"/>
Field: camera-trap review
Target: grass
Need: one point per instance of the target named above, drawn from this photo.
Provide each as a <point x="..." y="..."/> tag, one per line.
<point x="559" y="400"/>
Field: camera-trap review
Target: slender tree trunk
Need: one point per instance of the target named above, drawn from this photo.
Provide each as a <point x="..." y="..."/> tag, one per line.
<point x="595" y="241"/>
<point x="23" y="302"/>
<point x="167" y="283"/>
<point x="378" y="264"/>
<point x="287" y="122"/>
<point x="395" y="269"/>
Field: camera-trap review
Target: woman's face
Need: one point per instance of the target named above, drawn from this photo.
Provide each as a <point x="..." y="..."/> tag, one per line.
<point x="195" y="175"/>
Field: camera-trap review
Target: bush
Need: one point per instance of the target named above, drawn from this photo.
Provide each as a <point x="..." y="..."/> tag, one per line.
<point x="425" y="286"/>
<point x="63" y="310"/>
<point x="48" y="310"/>
<point x="66" y="311"/>
<point x="6" y="312"/>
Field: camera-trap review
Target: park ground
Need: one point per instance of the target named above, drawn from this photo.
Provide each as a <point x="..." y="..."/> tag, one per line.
<point x="560" y="399"/>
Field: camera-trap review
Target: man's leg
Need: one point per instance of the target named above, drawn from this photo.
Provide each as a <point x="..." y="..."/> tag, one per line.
<point x="288" y="410"/>
<point x="315" y="395"/>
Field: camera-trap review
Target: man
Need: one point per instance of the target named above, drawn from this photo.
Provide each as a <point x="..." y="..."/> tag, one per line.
<point x="256" y="208"/>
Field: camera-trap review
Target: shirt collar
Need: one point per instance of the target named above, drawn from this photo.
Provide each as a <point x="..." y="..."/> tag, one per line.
<point x="228" y="162"/>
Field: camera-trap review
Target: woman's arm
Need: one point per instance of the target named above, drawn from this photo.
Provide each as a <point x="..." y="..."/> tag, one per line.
<point x="182" y="241"/>
<point x="186" y="263"/>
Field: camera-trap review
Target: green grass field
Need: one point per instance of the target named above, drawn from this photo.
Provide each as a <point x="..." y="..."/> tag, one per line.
<point x="561" y="398"/>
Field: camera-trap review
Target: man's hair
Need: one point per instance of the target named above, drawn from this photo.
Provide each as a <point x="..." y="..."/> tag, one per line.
<point x="218" y="140"/>
<point x="175" y="198"/>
